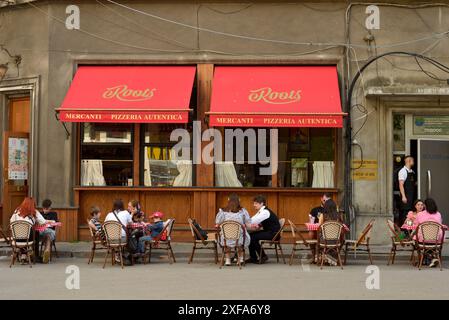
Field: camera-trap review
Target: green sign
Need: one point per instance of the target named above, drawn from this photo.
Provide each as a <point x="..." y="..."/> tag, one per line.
<point x="431" y="125"/>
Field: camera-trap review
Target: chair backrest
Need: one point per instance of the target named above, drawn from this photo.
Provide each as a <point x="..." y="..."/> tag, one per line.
<point x="430" y="232"/>
<point x="394" y="230"/>
<point x="21" y="230"/>
<point x="278" y="234"/>
<point x="331" y="231"/>
<point x="3" y="235"/>
<point x="366" y="232"/>
<point x="169" y="227"/>
<point x="112" y="231"/>
<point x="294" y="228"/>
<point x="230" y="231"/>
<point x="195" y="233"/>
<point x="91" y="232"/>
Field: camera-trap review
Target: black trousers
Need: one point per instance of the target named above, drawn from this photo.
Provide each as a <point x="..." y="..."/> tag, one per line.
<point x="254" y="245"/>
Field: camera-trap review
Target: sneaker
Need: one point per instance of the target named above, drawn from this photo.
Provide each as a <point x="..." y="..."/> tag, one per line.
<point x="242" y="260"/>
<point x="433" y="263"/>
<point x="331" y="260"/>
<point x="46" y="256"/>
<point x="228" y="262"/>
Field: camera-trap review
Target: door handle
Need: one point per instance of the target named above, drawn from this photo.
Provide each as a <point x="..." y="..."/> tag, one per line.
<point x="429" y="183"/>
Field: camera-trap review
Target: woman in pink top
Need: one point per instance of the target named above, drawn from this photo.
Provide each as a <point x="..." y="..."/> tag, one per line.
<point x="430" y="214"/>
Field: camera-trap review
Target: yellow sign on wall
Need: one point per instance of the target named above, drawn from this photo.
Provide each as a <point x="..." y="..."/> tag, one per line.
<point x="365" y="164"/>
<point x="364" y="170"/>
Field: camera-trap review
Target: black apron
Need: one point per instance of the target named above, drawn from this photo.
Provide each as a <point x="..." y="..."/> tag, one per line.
<point x="409" y="190"/>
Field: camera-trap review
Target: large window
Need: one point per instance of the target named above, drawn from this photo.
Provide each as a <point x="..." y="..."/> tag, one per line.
<point x="162" y="166"/>
<point x="106" y="154"/>
<point x="306" y="159"/>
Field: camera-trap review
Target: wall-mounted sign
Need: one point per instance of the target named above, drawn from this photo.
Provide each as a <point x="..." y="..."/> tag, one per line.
<point x="364" y="170"/>
<point x="431" y="125"/>
<point x="17" y="159"/>
<point x="364" y="174"/>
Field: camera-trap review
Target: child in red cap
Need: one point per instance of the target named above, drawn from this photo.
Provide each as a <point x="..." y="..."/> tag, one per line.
<point x="153" y="229"/>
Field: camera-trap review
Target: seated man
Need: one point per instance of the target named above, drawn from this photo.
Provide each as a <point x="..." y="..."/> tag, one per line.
<point x="269" y="222"/>
<point x="315" y="212"/>
<point x="50" y="233"/>
<point x="154" y="229"/>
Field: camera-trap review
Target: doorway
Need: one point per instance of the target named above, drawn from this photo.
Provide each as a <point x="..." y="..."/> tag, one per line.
<point x="426" y="139"/>
<point x="16" y="155"/>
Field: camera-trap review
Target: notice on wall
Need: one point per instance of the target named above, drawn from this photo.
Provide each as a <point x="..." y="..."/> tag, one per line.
<point x="431" y="125"/>
<point x="17" y="159"/>
<point x="365" y="169"/>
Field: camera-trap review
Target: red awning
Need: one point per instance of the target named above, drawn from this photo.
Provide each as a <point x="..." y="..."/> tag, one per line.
<point x="154" y="94"/>
<point x="276" y="96"/>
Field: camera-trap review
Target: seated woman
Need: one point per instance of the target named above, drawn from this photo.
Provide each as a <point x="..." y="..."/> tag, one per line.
<point x="27" y="211"/>
<point x="429" y="214"/>
<point x="330" y="213"/>
<point x="234" y="212"/>
<point x="136" y="211"/>
<point x="153" y="229"/>
<point x="418" y="206"/>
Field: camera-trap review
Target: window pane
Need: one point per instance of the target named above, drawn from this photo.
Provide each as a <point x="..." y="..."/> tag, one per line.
<point x="306" y="157"/>
<point x="398" y="132"/>
<point x="162" y="167"/>
<point x="106" y="154"/>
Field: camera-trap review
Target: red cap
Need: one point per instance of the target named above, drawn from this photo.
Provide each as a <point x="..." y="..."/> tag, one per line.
<point x="157" y="214"/>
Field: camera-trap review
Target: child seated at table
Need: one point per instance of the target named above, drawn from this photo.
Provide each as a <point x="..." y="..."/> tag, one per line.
<point x="153" y="229"/>
<point x="95" y="224"/>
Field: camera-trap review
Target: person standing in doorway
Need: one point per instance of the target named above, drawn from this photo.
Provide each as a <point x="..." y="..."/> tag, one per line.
<point x="407" y="183"/>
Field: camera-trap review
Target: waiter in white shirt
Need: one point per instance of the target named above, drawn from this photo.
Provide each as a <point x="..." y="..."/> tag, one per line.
<point x="407" y="184"/>
<point x="266" y="220"/>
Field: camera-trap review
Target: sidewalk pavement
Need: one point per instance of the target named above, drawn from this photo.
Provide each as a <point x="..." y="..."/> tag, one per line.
<point x="81" y="249"/>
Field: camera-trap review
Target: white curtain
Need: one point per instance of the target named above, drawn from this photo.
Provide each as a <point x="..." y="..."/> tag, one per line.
<point x="92" y="173"/>
<point x="147" y="172"/>
<point x="323" y="174"/>
<point x="184" y="178"/>
<point x="225" y="175"/>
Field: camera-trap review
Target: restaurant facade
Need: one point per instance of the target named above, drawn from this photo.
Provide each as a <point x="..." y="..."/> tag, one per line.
<point x="136" y="102"/>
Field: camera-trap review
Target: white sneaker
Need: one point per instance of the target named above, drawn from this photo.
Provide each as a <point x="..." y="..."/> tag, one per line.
<point x="242" y="260"/>
<point x="228" y="262"/>
<point x="434" y="263"/>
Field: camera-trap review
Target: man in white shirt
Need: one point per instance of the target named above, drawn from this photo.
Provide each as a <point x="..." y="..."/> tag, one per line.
<point x="266" y="219"/>
<point x="407" y="183"/>
<point x="124" y="217"/>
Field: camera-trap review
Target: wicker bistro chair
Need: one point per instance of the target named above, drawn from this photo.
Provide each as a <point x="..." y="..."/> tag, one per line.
<point x="302" y="244"/>
<point x="5" y="240"/>
<point x="158" y="244"/>
<point x="330" y="240"/>
<point x="362" y="243"/>
<point x="432" y="235"/>
<point x="276" y="242"/>
<point x="231" y="231"/>
<point x="113" y="233"/>
<point x="199" y="242"/>
<point x="97" y="244"/>
<point x="398" y="244"/>
<point x="20" y="240"/>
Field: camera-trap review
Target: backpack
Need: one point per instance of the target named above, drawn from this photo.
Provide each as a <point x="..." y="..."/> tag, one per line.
<point x="200" y="230"/>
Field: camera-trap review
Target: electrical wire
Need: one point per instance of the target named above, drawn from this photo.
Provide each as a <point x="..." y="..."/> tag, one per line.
<point x="244" y="37"/>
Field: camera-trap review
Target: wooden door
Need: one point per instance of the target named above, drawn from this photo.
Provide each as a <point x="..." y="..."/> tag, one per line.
<point x="16" y="154"/>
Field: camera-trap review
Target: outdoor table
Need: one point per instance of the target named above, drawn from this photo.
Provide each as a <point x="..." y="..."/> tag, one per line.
<point x="42" y="227"/>
<point x="137" y="225"/>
